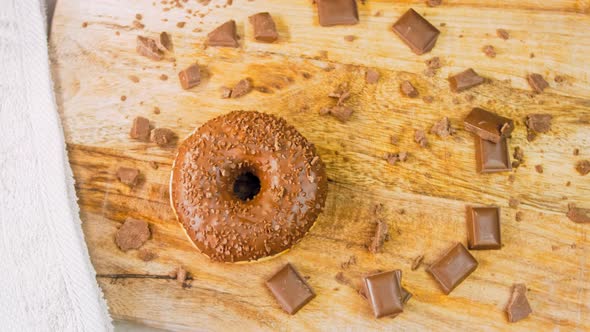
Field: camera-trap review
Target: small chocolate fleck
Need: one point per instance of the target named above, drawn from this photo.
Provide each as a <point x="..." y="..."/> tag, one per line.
<point x="489" y="51"/>
<point x="513" y="202"/>
<point x="128" y="176"/>
<point x="372" y="76"/>
<point x="420" y="138"/>
<point x="502" y="33"/>
<point x="518" y="216"/>
<point x="540" y="123"/>
<point x="133" y="78"/>
<point x="583" y="167"/>
<point x="163" y="77"/>
<point x="180" y="24"/>
<point x="123" y="98"/>
<point x="379" y="238"/>
<point x="146" y="255"/>
<point x="433" y="3"/>
<point x="416" y="262"/>
<point x="442" y="128"/>
<point x="242" y="88"/>
<point x="539" y="169"/>
<point x="349" y="38"/>
<point x="85" y="24"/>
<point x="138" y="16"/>
<point x="576" y="152"/>
<point x="408" y="90"/>
<point x="162" y="136"/>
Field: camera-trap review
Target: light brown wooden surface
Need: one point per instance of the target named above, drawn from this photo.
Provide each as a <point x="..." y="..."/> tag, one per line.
<point x="545" y="250"/>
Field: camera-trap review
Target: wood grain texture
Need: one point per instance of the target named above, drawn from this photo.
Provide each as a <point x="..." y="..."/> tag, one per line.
<point x="424" y="197"/>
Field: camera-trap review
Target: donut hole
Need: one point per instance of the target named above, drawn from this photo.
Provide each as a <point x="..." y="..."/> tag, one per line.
<point x="246" y="186"/>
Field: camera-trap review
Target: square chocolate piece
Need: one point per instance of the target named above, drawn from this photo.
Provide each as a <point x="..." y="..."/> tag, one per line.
<point x="190" y="77"/>
<point x="492" y="157"/>
<point x="264" y="26"/>
<point x="384" y="292"/>
<point x="465" y="80"/>
<point x="416" y="32"/>
<point x="453" y="267"/>
<point x="290" y="289"/>
<point x="488" y="125"/>
<point x="483" y="228"/>
<point x="337" y="12"/>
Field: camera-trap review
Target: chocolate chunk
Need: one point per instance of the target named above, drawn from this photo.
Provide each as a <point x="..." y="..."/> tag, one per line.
<point x="518" y="155"/>
<point x="337" y="12"/>
<point x="146" y="255"/>
<point x="224" y="35"/>
<point x="408" y="89"/>
<point x="433" y="3"/>
<point x="225" y="92"/>
<point x="140" y="129"/>
<point x="539" y="169"/>
<point x="162" y="136"/>
<point x="128" y="176"/>
<point x="442" y="128"/>
<point x="372" y="76"/>
<point x="537" y="82"/>
<point x="416" y="262"/>
<point x="342" y="113"/>
<point x="492" y="157"/>
<point x="454" y="266"/>
<point x="540" y="123"/>
<point x="578" y="215"/>
<point x="513" y="202"/>
<point x="420" y="138"/>
<point x="502" y="34"/>
<point x="483" y="228"/>
<point x="190" y="77"/>
<point x="416" y="32"/>
<point x="381" y="235"/>
<point x="393" y="158"/>
<point x="242" y="88"/>
<point x="518" y="307"/>
<point x="166" y="41"/>
<point x="265" y="29"/>
<point x="489" y="51"/>
<point x="148" y="48"/>
<point x="518" y="216"/>
<point x="384" y="292"/>
<point x="465" y="80"/>
<point x="290" y="289"/>
<point x="576" y="152"/>
<point x="132" y="234"/>
<point x="487" y="125"/>
<point x="583" y="167"/>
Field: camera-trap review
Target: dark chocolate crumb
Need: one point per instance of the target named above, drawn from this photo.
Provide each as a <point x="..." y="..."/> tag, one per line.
<point x="408" y="89"/>
<point x="539" y="169"/>
<point x="532" y="55"/>
<point x="539" y="123"/>
<point x="371" y="76"/>
<point x="85" y="24"/>
<point x="518" y="216"/>
<point x="163" y="77"/>
<point x="123" y="98"/>
<point x="138" y="16"/>
<point x="156" y="110"/>
<point x="489" y="51"/>
<point x="306" y="75"/>
<point x="559" y="79"/>
<point x="349" y="38"/>
<point x="133" y="78"/>
<point x="576" y="152"/>
<point x="583" y="167"/>
<point x="442" y="128"/>
<point x="502" y="34"/>
<point x="132" y="234"/>
<point x="393" y="158"/>
<point x="180" y="24"/>
<point x="381" y="235"/>
<point x="146" y="255"/>
<point x="428" y="99"/>
<point x="537" y="82"/>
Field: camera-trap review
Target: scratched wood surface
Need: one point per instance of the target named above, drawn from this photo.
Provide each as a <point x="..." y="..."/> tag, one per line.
<point x="424" y="198"/>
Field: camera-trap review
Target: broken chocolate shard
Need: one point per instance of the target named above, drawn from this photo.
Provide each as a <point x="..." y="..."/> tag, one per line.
<point x="128" y="176"/>
<point x="224" y="35"/>
<point x="337" y="12"/>
<point x="290" y="289"/>
<point x="487" y="125"/>
<point x="416" y="32"/>
<point x="166" y="41"/>
<point x="393" y="158"/>
<point x="162" y="136"/>
<point x="583" y="167"/>
<point x="242" y="88"/>
<point x="540" y="123"/>
<point x="483" y="228"/>
<point x="489" y="51"/>
<point x="453" y="267"/>
<point x="408" y="90"/>
<point x="264" y="26"/>
<point x="372" y="76"/>
<point x="492" y="157"/>
<point x="132" y="234"/>
<point x="190" y="77"/>
<point x="416" y="262"/>
<point x="140" y="129"/>
<point x="578" y="215"/>
<point x="537" y="82"/>
<point x="502" y="33"/>
<point x="442" y="128"/>
<point x="518" y="307"/>
<point x="381" y="235"/>
<point x="465" y="80"/>
<point x="148" y="48"/>
<point x="420" y="138"/>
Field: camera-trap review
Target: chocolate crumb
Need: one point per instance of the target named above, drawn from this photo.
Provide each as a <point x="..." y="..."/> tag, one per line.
<point x="349" y="38"/>
<point x="146" y="255"/>
<point x="511" y="178"/>
<point x="153" y="164"/>
<point x="420" y="138"/>
<point x="393" y="158"/>
<point x="502" y="34"/>
<point x="351" y="261"/>
<point x="138" y="16"/>
<point x="378" y="13"/>
<point x="242" y="88"/>
<point x="117" y="33"/>
<point x="225" y="92"/>
<point x="518" y="157"/>
<point x="408" y="89"/>
<point x="569" y="183"/>
<point x="156" y="110"/>
<point x="128" y="176"/>
<point x="540" y="123"/>
<point x="162" y="136"/>
<point x="163" y="77"/>
<point x="518" y="216"/>
<point x="138" y="25"/>
<point x="180" y="24"/>
<point x="428" y="99"/>
<point x="341" y="279"/>
<point x="140" y="129"/>
<point x="539" y="169"/>
<point x="148" y="48"/>
<point x="532" y="55"/>
<point x="181" y="275"/>
<point x="537" y="82"/>
<point x="306" y="75"/>
<point x="513" y="202"/>
<point x="371" y="76"/>
<point x="394" y="140"/>
<point x="123" y="98"/>
<point x="342" y="113"/>
<point x="132" y="234"/>
<point x="381" y="235"/>
<point x="442" y="128"/>
<point x="559" y="79"/>
<point x="578" y="215"/>
<point x="576" y="152"/>
<point x="433" y="3"/>
<point x="190" y="76"/>
<point x="166" y="41"/>
<point x="84" y="24"/>
<point x="583" y="167"/>
<point x="489" y="51"/>
<point x="518" y="306"/>
<point x="416" y="262"/>
<point x="133" y="78"/>
<point x="443" y="24"/>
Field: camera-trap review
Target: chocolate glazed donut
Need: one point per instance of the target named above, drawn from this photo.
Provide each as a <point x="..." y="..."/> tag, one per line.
<point x="246" y="185"/>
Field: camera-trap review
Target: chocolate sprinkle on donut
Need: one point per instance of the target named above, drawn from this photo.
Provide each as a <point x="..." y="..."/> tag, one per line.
<point x="247" y="185"/>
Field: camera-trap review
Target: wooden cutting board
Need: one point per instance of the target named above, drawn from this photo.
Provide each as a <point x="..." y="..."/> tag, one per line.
<point x="94" y="63"/>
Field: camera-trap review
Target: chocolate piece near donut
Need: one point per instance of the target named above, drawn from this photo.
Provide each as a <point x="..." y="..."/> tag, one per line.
<point x="290" y="289"/>
<point x="224" y="35"/>
<point x="247" y="185"/>
<point x="487" y="125"/>
<point x="453" y="267"/>
<point x="264" y="26"/>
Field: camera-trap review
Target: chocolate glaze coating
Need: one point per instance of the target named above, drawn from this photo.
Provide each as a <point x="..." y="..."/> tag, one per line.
<point x="293" y="186"/>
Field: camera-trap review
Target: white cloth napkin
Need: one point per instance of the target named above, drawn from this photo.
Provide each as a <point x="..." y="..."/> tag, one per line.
<point x="47" y="282"/>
